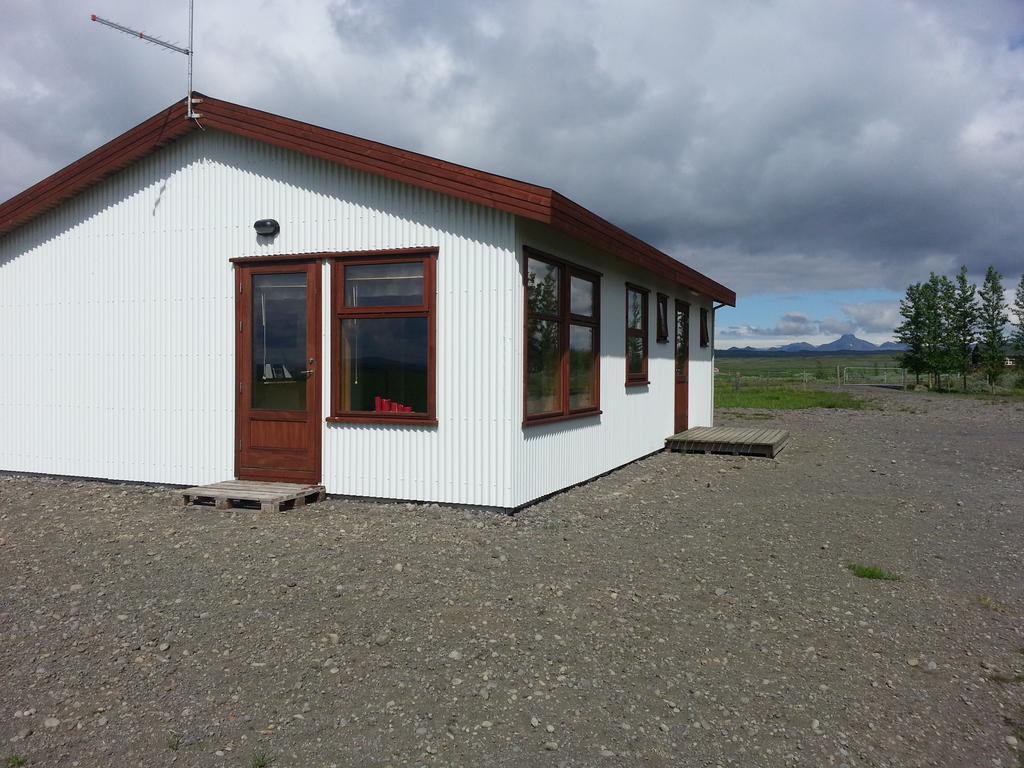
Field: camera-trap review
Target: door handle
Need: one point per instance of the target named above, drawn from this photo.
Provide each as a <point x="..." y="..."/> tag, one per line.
<point x="311" y="370"/>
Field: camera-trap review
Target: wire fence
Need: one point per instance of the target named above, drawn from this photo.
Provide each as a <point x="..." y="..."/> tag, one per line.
<point x="771" y="379"/>
<point x="818" y="377"/>
<point x="868" y="376"/>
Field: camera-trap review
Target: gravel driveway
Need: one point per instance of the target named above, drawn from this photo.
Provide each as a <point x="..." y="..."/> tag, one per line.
<point x="684" y="610"/>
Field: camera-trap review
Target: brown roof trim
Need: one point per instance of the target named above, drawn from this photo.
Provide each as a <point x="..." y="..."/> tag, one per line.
<point x="574" y="219"/>
<point x="516" y="197"/>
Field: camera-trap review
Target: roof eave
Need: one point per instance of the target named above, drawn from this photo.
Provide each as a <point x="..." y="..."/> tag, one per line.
<point x="490" y="190"/>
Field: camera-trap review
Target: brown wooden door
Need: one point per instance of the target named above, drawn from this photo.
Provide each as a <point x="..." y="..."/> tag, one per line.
<point x="278" y="428"/>
<point x="682" y="355"/>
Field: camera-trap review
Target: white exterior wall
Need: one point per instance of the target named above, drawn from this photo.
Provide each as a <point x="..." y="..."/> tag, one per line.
<point x="117" y="317"/>
<point x="634" y="421"/>
<point x="117" y="334"/>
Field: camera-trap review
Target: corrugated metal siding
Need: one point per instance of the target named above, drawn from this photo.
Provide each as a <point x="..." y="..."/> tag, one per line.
<point x="466" y="458"/>
<point x="116" y="334"/>
<point x="634" y="421"/>
<point x="702" y="369"/>
<point x="117" y="316"/>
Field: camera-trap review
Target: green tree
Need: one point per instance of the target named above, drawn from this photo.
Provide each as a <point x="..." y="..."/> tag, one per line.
<point x="961" y="321"/>
<point x="910" y="332"/>
<point x="935" y="297"/>
<point x="992" y="318"/>
<point x="1017" y="335"/>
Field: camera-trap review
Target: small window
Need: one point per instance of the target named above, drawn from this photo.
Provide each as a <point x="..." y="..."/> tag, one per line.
<point x="582" y="296"/>
<point x="383" y="338"/>
<point x="705" y="337"/>
<point x="562" y="340"/>
<point x="636" y="335"/>
<point x="384" y="285"/>
<point x="662" y="337"/>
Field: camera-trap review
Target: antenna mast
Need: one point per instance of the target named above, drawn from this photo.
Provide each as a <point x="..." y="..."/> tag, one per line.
<point x="190" y="114"/>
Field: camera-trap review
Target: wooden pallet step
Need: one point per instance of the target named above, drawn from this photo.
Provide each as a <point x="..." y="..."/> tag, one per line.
<point x="736" y="441"/>
<point x="271" y="497"/>
<point x="246" y="487"/>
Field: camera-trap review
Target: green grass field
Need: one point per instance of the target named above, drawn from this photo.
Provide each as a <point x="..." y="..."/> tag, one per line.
<point x="789" y="382"/>
<point x="792" y="381"/>
<point x="821" y="367"/>
<point x="781" y="398"/>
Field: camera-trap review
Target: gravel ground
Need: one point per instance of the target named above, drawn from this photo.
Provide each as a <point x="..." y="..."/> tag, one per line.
<point x="684" y="610"/>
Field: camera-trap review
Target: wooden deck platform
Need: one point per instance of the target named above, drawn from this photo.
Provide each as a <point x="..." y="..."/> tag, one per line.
<point x="737" y="441"/>
<point x="270" y="497"/>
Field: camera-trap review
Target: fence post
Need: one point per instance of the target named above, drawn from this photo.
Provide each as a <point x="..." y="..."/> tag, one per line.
<point x="736" y="383"/>
<point x="839" y="378"/>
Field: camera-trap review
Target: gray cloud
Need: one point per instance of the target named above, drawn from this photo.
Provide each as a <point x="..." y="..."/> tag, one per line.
<point x="875" y="319"/>
<point x="875" y="316"/>
<point x="833" y="326"/>
<point x="790" y="324"/>
<point x="779" y="147"/>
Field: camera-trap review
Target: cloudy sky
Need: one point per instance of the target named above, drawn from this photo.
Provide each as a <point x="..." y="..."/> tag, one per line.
<point x="815" y="155"/>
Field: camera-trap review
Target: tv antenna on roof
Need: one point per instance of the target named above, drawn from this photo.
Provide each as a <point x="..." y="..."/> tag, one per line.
<point x="190" y="114"/>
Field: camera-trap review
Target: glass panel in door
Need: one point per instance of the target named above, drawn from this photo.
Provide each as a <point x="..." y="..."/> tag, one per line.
<point x="279" y="365"/>
<point x="682" y="339"/>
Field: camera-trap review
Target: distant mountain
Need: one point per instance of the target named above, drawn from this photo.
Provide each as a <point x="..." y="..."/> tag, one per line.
<point x="800" y="346"/>
<point x="845" y="343"/>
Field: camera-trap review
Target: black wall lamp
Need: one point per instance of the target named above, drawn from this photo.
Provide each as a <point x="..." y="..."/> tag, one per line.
<point x="267" y="227"/>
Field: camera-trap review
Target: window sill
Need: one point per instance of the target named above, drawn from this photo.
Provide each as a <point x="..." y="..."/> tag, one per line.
<point x="644" y="383"/>
<point x="396" y="422"/>
<point x="537" y="421"/>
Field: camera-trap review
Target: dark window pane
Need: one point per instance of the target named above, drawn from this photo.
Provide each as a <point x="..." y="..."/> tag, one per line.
<point x="542" y="286"/>
<point x="384" y="285"/>
<point x="543" y="367"/>
<point x="662" y="318"/>
<point x="682" y="339"/>
<point x="581" y="297"/>
<point x="634" y="355"/>
<point x="279" y="342"/>
<point x="384" y="364"/>
<point x="581" y="367"/>
<point x="634" y="309"/>
<point x="705" y="337"/>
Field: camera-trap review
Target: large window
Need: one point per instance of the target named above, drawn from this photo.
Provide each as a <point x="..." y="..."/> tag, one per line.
<point x="562" y="377"/>
<point x="636" y="335"/>
<point x="383" y="338"/>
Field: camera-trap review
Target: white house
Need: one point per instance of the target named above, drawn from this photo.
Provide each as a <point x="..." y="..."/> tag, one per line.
<point x="407" y="328"/>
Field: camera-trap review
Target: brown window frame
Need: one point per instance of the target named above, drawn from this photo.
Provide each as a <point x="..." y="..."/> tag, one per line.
<point x="662" y="319"/>
<point x="566" y="319"/>
<point x="705" y="335"/>
<point x="642" y="378"/>
<point x="339" y="313"/>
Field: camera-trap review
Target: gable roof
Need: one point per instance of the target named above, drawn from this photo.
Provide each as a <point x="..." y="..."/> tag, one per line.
<point x="517" y="197"/>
